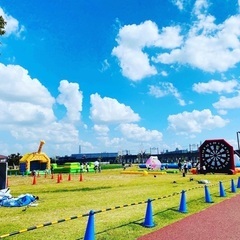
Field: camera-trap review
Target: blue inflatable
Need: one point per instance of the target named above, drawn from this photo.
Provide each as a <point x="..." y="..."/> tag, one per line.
<point x="20" y="201"/>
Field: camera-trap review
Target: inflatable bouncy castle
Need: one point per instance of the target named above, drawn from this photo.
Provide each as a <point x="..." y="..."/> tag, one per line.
<point x="35" y="161"/>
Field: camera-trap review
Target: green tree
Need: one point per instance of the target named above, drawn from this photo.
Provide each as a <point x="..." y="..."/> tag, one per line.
<point x="2" y="25"/>
<point x="13" y="159"/>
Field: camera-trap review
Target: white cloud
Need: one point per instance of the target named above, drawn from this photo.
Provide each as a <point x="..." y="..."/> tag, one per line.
<point x="26" y="111"/>
<point x="164" y="73"/>
<point x="12" y="27"/>
<point x="71" y="98"/>
<point x="133" y="131"/>
<point x="132" y="39"/>
<point x="222" y="112"/>
<point x="101" y="129"/>
<point x="55" y="133"/>
<point x="113" y="143"/>
<point x="23" y="99"/>
<point x="228" y="103"/>
<point x="208" y="46"/>
<point x="195" y="121"/>
<point x="105" y="65"/>
<point x="164" y="89"/>
<point x="200" y="6"/>
<point x="109" y="110"/>
<point x="169" y="38"/>
<point x="178" y="3"/>
<point x="216" y="86"/>
<point x="134" y="63"/>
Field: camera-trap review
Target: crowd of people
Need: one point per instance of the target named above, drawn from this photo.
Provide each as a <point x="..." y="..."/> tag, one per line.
<point x="186" y="166"/>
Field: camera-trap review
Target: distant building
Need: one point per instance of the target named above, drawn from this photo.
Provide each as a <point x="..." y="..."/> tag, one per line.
<point x="89" y="157"/>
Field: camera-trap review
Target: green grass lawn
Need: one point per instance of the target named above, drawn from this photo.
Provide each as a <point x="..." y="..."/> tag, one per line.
<point x="100" y="191"/>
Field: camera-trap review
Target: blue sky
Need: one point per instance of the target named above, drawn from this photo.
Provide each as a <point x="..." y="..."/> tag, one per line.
<point x="112" y="76"/>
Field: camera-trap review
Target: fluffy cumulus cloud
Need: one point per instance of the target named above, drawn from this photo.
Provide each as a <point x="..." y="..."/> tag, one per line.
<point x="221" y="87"/>
<point x="26" y="110"/>
<point x="208" y="46"/>
<point x="108" y="110"/>
<point x="164" y="89"/>
<point x="71" y="98"/>
<point x="228" y="103"/>
<point x="132" y="39"/>
<point x="216" y="86"/>
<point x="133" y="131"/>
<point x="23" y="99"/>
<point x="12" y="27"/>
<point x="205" y="45"/>
<point x="195" y="121"/>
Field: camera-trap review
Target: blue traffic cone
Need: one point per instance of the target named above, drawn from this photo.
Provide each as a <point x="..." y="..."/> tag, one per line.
<point x="221" y="190"/>
<point x="208" y="198"/>
<point x="148" y="222"/>
<point x="238" y="183"/>
<point x="183" y="203"/>
<point x="233" y="187"/>
<point x="90" y="230"/>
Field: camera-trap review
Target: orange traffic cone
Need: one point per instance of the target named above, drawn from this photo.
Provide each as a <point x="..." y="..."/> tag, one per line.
<point x="81" y="177"/>
<point x="69" y="177"/>
<point x="58" y="179"/>
<point x="34" y="180"/>
<point x="52" y="176"/>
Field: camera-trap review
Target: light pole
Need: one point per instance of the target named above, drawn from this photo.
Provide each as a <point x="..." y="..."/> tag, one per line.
<point x="238" y="140"/>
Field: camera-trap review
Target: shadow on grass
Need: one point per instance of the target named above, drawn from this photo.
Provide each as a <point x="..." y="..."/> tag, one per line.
<point x="86" y="189"/>
<point x="171" y="215"/>
<point x="117" y="227"/>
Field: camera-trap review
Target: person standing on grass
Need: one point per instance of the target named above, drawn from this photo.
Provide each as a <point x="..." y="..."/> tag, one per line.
<point x="179" y="166"/>
<point x="81" y="167"/>
<point x="185" y="167"/>
<point x="87" y="167"/>
<point x="204" y="169"/>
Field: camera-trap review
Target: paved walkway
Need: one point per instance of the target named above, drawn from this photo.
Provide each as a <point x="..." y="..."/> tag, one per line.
<point x="218" y="222"/>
